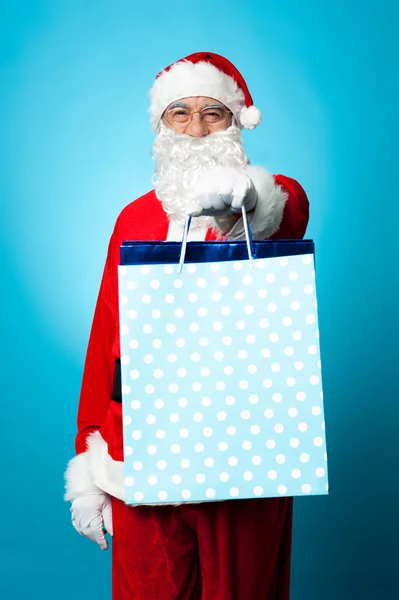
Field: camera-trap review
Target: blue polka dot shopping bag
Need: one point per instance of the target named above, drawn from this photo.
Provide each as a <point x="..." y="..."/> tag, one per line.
<point x="221" y="374"/>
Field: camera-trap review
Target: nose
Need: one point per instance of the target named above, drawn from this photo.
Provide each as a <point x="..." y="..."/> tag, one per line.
<point x="197" y="127"/>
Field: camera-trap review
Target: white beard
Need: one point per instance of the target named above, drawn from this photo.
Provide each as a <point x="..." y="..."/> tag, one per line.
<point x="178" y="160"/>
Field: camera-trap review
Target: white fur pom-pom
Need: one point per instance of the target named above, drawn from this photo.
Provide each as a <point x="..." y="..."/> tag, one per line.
<point x="250" y="117"/>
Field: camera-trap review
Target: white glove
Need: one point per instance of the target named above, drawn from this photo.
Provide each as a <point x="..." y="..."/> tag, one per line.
<point x="88" y="513"/>
<point x="221" y="191"/>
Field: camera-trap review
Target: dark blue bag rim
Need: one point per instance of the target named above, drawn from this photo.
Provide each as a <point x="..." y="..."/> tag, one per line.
<point x="150" y="252"/>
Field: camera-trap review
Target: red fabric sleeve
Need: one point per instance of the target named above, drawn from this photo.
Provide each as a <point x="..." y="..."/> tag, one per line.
<point x="99" y="365"/>
<point x="296" y="210"/>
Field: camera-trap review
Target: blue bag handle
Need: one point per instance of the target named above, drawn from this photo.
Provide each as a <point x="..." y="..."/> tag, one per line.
<point x="248" y="237"/>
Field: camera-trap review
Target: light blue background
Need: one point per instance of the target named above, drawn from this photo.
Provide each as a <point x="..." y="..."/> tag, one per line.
<point x="75" y="150"/>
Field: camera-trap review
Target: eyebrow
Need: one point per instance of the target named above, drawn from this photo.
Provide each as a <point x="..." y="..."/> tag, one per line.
<point x="179" y="104"/>
<point x="214" y="105"/>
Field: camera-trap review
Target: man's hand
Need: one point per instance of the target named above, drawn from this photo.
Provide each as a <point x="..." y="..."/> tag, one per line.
<point x="221" y="191"/>
<point x="88" y="514"/>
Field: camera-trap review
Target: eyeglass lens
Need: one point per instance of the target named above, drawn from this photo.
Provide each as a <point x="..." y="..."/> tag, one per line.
<point x="209" y="115"/>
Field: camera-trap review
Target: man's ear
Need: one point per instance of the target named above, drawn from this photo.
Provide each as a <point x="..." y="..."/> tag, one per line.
<point x="234" y="122"/>
<point x="162" y="125"/>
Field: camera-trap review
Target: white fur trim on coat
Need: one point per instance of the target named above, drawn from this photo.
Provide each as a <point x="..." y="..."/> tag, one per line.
<point x="269" y="208"/>
<point x="78" y="478"/>
<point x="185" y="79"/>
<point x="94" y="471"/>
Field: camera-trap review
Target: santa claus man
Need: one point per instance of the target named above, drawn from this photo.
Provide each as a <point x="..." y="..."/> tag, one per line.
<point x="235" y="549"/>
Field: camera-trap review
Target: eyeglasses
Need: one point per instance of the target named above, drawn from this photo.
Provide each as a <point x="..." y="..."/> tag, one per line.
<point x="183" y="116"/>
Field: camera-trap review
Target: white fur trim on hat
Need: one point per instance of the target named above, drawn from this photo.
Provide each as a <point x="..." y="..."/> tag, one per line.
<point x="250" y="117"/>
<point x="185" y="79"/>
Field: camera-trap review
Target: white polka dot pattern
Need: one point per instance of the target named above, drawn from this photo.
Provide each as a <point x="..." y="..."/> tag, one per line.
<point x="221" y="381"/>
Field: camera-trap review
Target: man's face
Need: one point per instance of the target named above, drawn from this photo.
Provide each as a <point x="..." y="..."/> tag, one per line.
<point x="197" y="116"/>
<point x="184" y="147"/>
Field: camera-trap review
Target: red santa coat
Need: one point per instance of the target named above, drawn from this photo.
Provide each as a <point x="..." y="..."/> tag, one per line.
<point x="99" y="441"/>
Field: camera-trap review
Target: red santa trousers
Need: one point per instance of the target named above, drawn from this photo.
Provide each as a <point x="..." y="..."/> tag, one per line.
<point x="232" y="550"/>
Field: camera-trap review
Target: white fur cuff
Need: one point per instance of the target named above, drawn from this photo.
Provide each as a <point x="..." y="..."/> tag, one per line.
<point x="268" y="213"/>
<point x="94" y="471"/>
<point x="78" y="478"/>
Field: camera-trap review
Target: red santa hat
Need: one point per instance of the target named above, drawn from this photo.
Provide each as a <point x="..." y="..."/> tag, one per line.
<point x="204" y="74"/>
